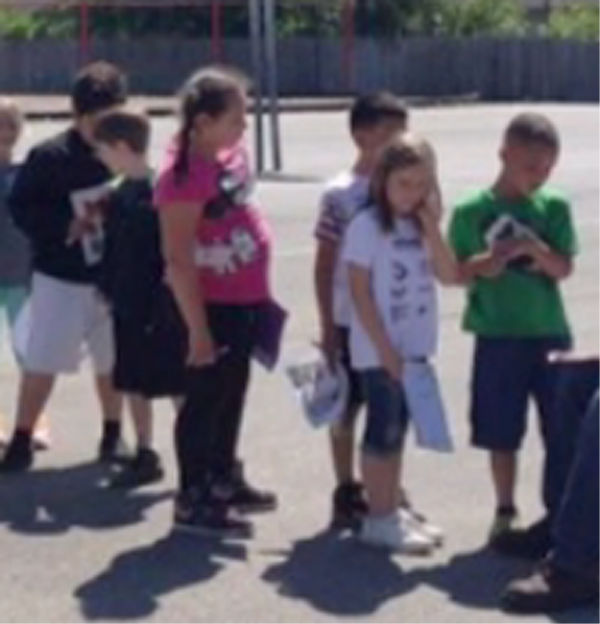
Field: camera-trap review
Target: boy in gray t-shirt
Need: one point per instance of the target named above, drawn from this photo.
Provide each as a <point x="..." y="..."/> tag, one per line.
<point x="15" y="255"/>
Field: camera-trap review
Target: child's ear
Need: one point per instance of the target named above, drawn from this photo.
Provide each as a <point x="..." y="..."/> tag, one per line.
<point x="503" y="154"/>
<point x="122" y="146"/>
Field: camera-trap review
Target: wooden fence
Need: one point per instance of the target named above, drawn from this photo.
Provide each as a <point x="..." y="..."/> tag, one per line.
<point x="496" y="69"/>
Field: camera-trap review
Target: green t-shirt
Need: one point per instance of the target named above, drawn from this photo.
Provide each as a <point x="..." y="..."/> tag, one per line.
<point x="520" y="302"/>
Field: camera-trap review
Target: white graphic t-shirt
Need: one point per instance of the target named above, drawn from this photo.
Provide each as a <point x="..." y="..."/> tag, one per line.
<point x="345" y="196"/>
<point x="403" y="285"/>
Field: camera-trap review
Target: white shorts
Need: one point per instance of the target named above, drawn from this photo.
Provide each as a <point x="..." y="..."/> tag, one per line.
<point x="61" y="325"/>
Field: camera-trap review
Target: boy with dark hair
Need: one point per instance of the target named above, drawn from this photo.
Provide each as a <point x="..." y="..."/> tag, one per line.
<point x="515" y="242"/>
<point x="149" y="335"/>
<point x="57" y="202"/>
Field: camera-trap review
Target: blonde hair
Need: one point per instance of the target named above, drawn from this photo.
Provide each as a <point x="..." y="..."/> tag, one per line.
<point x="9" y="110"/>
<point x="405" y="152"/>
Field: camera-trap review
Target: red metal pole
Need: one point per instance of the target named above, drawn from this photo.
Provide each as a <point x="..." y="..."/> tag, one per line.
<point x="217" y="31"/>
<point x="349" y="43"/>
<point x="84" y="32"/>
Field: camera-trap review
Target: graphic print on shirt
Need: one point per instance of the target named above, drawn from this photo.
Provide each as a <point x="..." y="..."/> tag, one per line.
<point x="227" y="257"/>
<point x="411" y="290"/>
<point x="506" y="228"/>
<point x="89" y="206"/>
<point x="235" y="189"/>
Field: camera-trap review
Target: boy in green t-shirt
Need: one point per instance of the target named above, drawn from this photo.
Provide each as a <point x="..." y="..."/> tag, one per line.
<point x="515" y="242"/>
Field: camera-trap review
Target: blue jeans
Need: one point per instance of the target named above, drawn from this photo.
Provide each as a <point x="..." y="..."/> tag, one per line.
<point x="575" y="531"/>
<point x="573" y="483"/>
<point x="576" y="383"/>
<point x="387" y="414"/>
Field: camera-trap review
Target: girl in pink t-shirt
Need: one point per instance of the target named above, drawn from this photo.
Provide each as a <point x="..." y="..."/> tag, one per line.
<point x="218" y="249"/>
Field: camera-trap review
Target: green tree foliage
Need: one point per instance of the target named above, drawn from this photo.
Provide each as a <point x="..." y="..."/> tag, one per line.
<point x="481" y="17"/>
<point x="578" y="21"/>
<point x="464" y="18"/>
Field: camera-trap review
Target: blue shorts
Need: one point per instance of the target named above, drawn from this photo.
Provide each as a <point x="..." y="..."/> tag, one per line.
<point x="507" y="372"/>
<point x="387" y="414"/>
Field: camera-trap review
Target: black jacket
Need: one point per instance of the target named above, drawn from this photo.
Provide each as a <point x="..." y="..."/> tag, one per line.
<point x="132" y="273"/>
<point x="41" y="203"/>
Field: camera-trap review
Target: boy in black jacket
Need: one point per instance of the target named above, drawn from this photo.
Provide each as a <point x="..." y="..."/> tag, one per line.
<point x="56" y="201"/>
<point x="150" y="338"/>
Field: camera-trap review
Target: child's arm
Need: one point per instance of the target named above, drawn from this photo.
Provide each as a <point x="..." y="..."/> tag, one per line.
<point x="179" y="225"/>
<point x="445" y="265"/>
<point x="325" y="267"/>
<point x="488" y="264"/>
<point x="28" y="200"/>
<point x="473" y="261"/>
<point x="546" y="260"/>
<point x="364" y="304"/>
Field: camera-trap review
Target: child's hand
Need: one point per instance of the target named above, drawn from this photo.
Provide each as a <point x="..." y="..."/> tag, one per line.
<point x="429" y="220"/>
<point x="491" y="264"/>
<point x="201" y="350"/>
<point x="79" y="228"/>
<point x="330" y="346"/>
<point x="392" y="363"/>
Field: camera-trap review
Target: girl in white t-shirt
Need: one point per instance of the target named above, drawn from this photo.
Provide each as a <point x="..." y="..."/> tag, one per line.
<point x="394" y="252"/>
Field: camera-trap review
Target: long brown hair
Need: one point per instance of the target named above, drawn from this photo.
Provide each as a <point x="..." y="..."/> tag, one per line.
<point x="209" y="91"/>
<point x="403" y="153"/>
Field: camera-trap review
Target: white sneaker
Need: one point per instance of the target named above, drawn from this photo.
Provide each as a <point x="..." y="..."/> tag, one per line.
<point x="390" y="534"/>
<point x="416" y="522"/>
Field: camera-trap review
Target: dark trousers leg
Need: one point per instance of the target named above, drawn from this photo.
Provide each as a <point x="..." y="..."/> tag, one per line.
<point x="576" y="526"/>
<point x="197" y="425"/>
<point x="227" y="434"/>
<point x="574" y="383"/>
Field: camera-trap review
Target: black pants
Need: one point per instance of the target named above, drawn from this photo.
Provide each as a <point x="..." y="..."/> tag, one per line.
<point x="209" y="424"/>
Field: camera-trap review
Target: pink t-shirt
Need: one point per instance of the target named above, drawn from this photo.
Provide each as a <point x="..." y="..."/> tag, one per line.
<point x="233" y="249"/>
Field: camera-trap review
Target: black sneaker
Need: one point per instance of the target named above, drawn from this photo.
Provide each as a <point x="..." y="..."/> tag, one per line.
<point x="210" y="518"/>
<point x="113" y="452"/>
<point x="144" y="469"/>
<point x="550" y="590"/>
<point x="506" y="520"/>
<point x="245" y="498"/>
<point x="18" y="458"/>
<point x="532" y="544"/>
<point x="349" y="507"/>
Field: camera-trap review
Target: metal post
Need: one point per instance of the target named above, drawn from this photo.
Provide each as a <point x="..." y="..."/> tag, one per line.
<point x="217" y="31"/>
<point x="349" y="42"/>
<point x="84" y="32"/>
<point x="257" y="70"/>
<point x="272" y="82"/>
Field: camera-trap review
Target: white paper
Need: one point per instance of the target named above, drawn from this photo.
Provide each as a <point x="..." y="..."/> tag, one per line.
<point x="88" y="205"/>
<point x="426" y="407"/>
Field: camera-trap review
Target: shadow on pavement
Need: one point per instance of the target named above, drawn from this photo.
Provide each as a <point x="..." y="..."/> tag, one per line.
<point x="473" y="580"/>
<point x="52" y="501"/>
<point x="131" y="587"/>
<point x="336" y="577"/>
<point x="342" y="578"/>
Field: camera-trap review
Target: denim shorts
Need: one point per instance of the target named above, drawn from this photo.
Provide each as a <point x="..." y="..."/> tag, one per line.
<point x="356" y="400"/>
<point x="507" y="373"/>
<point x="387" y="414"/>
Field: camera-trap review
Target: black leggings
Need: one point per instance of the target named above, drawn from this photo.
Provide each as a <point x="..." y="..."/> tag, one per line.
<point x="209" y="424"/>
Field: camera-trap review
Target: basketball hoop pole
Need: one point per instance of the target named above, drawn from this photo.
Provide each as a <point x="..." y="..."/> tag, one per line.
<point x="217" y="31"/>
<point x="272" y="82"/>
<point x="84" y="32"/>
<point x="257" y="70"/>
